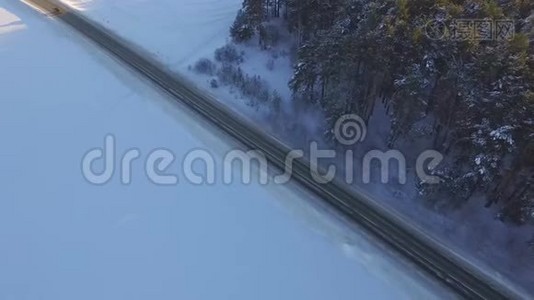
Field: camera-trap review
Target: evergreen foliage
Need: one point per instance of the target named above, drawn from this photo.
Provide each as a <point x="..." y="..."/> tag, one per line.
<point x="478" y="93"/>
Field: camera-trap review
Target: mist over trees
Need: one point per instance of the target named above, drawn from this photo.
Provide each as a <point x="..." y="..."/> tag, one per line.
<point x="476" y="92"/>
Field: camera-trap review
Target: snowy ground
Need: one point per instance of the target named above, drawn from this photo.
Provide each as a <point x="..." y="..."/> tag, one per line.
<point x="63" y="238"/>
<point x="179" y="32"/>
<point x="172" y="30"/>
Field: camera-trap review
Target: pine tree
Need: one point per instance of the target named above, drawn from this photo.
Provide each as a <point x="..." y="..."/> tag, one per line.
<point x="241" y="30"/>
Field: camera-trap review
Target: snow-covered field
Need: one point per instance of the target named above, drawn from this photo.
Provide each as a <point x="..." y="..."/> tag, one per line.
<point x="172" y="30"/>
<point x="179" y="32"/>
<point x="63" y="238"/>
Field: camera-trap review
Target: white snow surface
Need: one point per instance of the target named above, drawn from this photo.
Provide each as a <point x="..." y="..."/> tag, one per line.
<point x="63" y="238"/>
<point x="179" y="32"/>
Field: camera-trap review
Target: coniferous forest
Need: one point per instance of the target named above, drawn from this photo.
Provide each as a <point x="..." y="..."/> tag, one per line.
<point x="466" y="68"/>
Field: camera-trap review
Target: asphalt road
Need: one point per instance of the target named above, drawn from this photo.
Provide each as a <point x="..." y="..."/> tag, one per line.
<point x="449" y="269"/>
